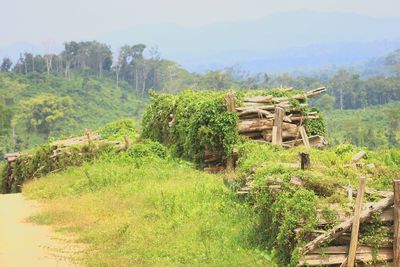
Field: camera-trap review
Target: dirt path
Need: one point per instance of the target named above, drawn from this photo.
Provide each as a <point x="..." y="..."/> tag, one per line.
<point x="26" y="244"/>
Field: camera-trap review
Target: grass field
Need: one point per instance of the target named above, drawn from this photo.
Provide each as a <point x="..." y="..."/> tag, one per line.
<point x="149" y="211"/>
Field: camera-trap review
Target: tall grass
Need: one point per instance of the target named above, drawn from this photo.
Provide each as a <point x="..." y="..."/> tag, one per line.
<point x="149" y="211"/>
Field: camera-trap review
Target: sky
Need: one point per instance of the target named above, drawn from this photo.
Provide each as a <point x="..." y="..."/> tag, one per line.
<point x="46" y="22"/>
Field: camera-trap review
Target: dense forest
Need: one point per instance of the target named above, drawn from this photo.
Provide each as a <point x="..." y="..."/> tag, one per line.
<point x="86" y="85"/>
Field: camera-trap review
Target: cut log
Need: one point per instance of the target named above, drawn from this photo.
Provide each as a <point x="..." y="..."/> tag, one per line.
<point x="254" y="135"/>
<point x="212" y="158"/>
<point x="316" y="92"/>
<point x="287" y="107"/>
<point x="300" y="97"/>
<point x="315" y="141"/>
<point x="358" y="156"/>
<point x="10" y="157"/>
<point x="256" y="112"/>
<point x="277" y="128"/>
<point x="261" y="125"/>
<point x="259" y="99"/>
<point x="346" y="225"/>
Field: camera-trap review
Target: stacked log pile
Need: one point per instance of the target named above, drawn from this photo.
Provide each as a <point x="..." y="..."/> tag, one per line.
<point x="268" y="119"/>
<point x="276" y="120"/>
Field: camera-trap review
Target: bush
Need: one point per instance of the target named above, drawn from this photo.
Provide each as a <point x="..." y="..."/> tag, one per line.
<point x="118" y="129"/>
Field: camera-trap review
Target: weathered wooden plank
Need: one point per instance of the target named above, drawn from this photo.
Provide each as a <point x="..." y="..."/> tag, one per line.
<point x="358" y="156"/>
<point x="230" y="105"/>
<point x="384" y="254"/>
<point x="316" y="92"/>
<point x="315" y="141"/>
<point x="343" y="250"/>
<point x="259" y="99"/>
<point x="304" y="136"/>
<point x="356" y="223"/>
<point x="256" y="112"/>
<point x="277" y="126"/>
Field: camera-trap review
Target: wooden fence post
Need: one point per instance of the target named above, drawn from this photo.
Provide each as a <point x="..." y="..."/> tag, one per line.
<point x="396" y="222"/>
<point x="277" y="126"/>
<point x="127" y="142"/>
<point x="230" y="105"/>
<point x="356" y="223"/>
<point x="304" y="160"/>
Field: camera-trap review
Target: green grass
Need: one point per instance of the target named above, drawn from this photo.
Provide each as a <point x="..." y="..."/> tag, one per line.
<point x="149" y="211"/>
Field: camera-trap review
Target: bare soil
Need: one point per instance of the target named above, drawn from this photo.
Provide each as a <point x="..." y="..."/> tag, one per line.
<point x="27" y="244"/>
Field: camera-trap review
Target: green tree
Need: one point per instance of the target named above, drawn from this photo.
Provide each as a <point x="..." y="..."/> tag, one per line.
<point x="6" y="65"/>
<point x="5" y="119"/>
<point x="42" y="112"/>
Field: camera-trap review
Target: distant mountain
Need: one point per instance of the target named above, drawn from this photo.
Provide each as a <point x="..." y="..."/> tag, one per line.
<point x="291" y="41"/>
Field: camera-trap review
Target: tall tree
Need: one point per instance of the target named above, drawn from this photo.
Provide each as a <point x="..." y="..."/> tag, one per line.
<point x="6" y="65"/>
<point x="42" y="112"/>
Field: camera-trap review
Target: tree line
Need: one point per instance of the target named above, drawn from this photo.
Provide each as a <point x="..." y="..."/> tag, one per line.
<point x="143" y="69"/>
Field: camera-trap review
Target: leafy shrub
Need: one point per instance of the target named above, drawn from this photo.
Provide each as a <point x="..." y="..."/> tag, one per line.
<point x="191" y="121"/>
<point x="148" y="149"/>
<point x="118" y="129"/>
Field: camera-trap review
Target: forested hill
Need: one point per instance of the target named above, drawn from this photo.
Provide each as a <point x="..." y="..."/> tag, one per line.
<point x="85" y="85"/>
<point x="38" y="106"/>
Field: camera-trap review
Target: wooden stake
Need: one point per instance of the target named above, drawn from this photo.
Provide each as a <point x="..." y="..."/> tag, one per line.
<point x="230" y="105"/>
<point x="356" y="223"/>
<point x="304" y="136"/>
<point x="278" y="122"/>
<point x="274" y="135"/>
<point x="304" y="160"/>
<point x="396" y="220"/>
<point x="127" y="142"/>
<point x="230" y="101"/>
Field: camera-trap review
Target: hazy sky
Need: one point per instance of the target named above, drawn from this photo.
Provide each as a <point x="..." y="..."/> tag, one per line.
<point x="41" y="21"/>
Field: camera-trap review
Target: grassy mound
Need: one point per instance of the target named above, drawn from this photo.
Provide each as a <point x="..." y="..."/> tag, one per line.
<point x="141" y="207"/>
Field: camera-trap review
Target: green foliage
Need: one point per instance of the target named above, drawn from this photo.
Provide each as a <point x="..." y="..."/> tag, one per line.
<point x="95" y="102"/>
<point x="40" y="113"/>
<point x="40" y="162"/>
<point x="373" y="127"/>
<point x="195" y="121"/>
<point x="148" y="149"/>
<point x="5" y="119"/>
<point x="191" y="122"/>
<point x="117" y="130"/>
<point x="316" y="126"/>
